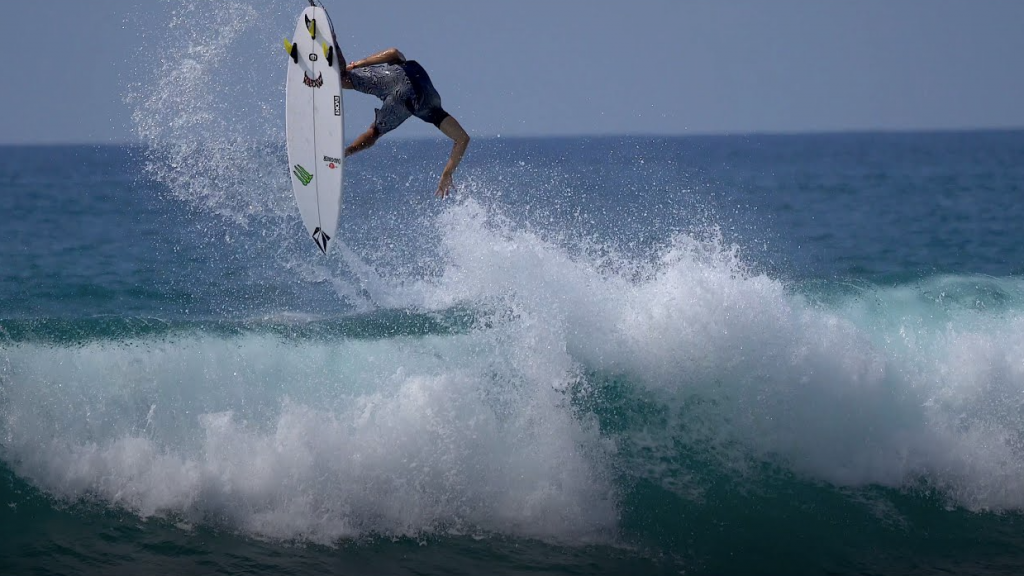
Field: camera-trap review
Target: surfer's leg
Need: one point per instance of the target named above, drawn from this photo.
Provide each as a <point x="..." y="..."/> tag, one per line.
<point x="392" y="112"/>
<point x="363" y="141"/>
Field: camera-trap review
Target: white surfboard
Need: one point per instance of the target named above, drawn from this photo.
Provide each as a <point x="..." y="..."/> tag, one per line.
<point x="315" y="124"/>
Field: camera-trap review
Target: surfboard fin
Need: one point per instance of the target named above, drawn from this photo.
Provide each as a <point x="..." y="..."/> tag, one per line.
<point x="292" y="50"/>
<point x="329" y="54"/>
<point x="311" y="26"/>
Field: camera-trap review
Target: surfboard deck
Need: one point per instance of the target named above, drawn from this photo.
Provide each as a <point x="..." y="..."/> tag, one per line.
<point x="315" y="126"/>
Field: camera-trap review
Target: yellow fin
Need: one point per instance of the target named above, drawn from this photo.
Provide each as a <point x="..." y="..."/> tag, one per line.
<point x="312" y="28"/>
<point x="288" y="46"/>
<point x="326" y="49"/>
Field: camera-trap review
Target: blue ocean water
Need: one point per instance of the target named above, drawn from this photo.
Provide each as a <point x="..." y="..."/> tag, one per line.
<point x="621" y="355"/>
<point x="707" y="354"/>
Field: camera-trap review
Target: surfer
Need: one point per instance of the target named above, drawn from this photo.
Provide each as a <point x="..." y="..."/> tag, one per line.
<point x="405" y="90"/>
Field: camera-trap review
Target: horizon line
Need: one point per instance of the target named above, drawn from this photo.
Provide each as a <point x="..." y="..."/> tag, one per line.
<point x="584" y="135"/>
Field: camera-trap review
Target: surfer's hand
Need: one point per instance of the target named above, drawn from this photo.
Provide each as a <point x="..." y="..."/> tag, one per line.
<point x="445" y="187"/>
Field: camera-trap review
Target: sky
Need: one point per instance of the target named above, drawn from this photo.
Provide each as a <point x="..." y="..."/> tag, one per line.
<point x="561" y="67"/>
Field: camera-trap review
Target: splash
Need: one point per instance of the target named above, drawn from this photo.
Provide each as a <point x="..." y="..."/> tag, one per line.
<point x="897" y="387"/>
<point x="209" y="134"/>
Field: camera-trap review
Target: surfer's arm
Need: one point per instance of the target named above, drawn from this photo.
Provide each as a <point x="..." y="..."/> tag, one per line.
<point x="451" y="128"/>
<point x="389" y="56"/>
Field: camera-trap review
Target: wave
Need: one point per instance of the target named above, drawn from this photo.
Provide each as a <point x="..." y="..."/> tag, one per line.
<point x="572" y="377"/>
<point x="889" y="386"/>
<point x="320" y="440"/>
<point x="378" y="324"/>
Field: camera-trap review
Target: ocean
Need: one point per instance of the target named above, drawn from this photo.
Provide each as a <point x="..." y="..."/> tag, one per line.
<point x="760" y="354"/>
<point x="700" y="355"/>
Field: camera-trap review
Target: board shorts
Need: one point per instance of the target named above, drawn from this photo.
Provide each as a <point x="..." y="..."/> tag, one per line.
<point x="404" y="89"/>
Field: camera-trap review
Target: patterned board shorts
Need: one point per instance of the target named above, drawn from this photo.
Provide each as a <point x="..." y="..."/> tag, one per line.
<point x="404" y="89"/>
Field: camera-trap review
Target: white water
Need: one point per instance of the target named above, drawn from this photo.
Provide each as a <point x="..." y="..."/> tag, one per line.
<point x="308" y="440"/>
<point x="891" y="386"/>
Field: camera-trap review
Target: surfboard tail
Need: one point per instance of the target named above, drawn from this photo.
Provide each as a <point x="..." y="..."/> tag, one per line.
<point x="321" y="238"/>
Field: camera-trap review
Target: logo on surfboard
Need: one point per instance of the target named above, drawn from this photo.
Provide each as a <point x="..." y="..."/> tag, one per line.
<point x="302" y="174"/>
<point x="313" y="83"/>
<point x="321" y="238"/>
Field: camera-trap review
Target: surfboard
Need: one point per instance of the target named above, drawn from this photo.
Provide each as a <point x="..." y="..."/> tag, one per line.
<point x="315" y="125"/>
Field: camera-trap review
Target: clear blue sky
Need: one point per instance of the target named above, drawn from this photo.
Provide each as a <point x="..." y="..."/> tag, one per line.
<point x="564" y="67"/>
